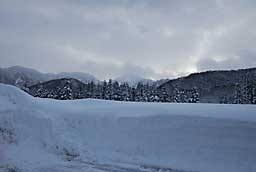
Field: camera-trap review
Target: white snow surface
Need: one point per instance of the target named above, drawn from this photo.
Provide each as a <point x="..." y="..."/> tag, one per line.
<point x="96" y="135"/>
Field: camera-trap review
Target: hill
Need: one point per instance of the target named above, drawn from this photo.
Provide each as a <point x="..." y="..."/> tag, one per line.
<point x="216" y="86"/>
<point x="63" y="89"/>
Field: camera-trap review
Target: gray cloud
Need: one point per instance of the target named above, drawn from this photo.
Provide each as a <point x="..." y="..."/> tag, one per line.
<point x="109" y="38"/>
<point x="118" y="69"/>
<point x="244" y="60"/>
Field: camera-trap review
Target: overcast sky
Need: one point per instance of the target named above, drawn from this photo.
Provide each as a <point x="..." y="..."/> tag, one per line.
<point x="107" y="38"/>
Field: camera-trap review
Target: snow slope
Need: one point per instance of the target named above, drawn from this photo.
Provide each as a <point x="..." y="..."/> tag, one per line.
<point x="95" y="135"/>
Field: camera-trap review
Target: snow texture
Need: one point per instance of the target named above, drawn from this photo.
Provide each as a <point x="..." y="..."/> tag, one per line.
<point x="96" y="135"/>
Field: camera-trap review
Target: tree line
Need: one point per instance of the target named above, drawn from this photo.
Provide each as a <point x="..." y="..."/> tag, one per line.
<point x="142" y="92"/>
<point x="242" y="92"/>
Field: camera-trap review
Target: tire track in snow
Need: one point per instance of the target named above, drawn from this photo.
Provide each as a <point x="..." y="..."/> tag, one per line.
<point x="84" y="166"/>
<point x="119" y="168"/>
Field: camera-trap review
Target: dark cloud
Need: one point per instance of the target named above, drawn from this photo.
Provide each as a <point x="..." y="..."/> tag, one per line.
<point x="116" y="37"/>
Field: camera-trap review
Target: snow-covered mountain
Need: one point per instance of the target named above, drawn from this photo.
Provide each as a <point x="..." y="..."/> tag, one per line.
<point x="46" y="135"/>
<point x="83" y="77"/>
<point x="21" y="76"/>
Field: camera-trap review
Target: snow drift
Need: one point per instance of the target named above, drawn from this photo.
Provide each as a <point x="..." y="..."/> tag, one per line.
<point x="40" y="134"/>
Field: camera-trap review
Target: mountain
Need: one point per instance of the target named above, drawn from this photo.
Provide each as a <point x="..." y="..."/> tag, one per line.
<point x="214" y="86"/>
<point x="84" y="77"/>
<point x="20" y="76"/>
<point x="159" y="82"/>
<point x="26" y="77"/>
<point x="63" y="89"/>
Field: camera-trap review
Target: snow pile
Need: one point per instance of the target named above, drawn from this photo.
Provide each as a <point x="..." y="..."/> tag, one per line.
<point x="40" y="134"/>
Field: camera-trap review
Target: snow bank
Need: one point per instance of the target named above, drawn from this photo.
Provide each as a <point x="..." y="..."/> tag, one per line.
<point x="37" y="133"/>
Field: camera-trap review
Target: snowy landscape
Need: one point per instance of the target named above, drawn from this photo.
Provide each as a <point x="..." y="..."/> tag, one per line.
<point x="127" y="86"/>
<point x="46" y="135"/>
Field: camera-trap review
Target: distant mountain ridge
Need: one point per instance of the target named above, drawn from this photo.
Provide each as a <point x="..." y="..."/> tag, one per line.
<point x="21" y="76"/>
<point x="223" y="86"/>
<point x="25" y="77"/>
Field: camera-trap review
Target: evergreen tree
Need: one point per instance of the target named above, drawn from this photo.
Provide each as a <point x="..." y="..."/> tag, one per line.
<point x="91" y="89"/>
<point x="104" y="90"/>
<point x="139" y="92"/>
<point x="176" y="95"/>
<point x="133" y="94"/>
<point x="238" y="99"/>
<point x="116" y="91"/>
<point x="99" y="91"/>
<point x="109" y="93"/>
<point x="195" y="95"/>
<point x="66" y="93"/>
<point x="124" y="89"/>
<point x="163" y="95"/>
<point x="183" y="97"/>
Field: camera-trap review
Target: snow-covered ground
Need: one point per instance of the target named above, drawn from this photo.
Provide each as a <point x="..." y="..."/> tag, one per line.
<point x="44" y="135"/>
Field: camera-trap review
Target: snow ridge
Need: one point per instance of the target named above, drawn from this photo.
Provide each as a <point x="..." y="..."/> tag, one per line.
<point x="96" y="135"/>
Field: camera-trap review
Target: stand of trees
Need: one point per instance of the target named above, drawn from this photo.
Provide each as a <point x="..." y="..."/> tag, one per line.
<point x="245" y="92"/>
<point x="112" y="90"/>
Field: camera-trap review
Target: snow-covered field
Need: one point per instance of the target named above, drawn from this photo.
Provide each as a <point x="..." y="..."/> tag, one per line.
<point x="44" y="135"/>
